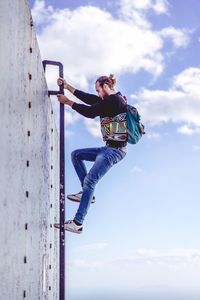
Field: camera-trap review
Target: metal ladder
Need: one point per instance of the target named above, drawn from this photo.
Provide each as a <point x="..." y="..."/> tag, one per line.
<point x="62" y="181"/>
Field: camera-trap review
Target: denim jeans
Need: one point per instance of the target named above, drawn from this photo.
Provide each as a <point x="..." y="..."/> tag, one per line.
<point x="104" y="158"/>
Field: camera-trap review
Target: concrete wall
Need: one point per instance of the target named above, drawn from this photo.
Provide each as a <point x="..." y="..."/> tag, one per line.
<point x="29" y="164"/>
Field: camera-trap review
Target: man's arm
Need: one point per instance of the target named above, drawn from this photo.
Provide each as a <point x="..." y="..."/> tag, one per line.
<point x="102" y="109"/>
<point x="85" y="110"/>
<point x="64" y="100"/>
<point x="69" y="87"/>
<point x="85" y="97"/>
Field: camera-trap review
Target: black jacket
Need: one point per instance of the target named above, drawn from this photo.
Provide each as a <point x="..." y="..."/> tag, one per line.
<point x="110" y="106"/>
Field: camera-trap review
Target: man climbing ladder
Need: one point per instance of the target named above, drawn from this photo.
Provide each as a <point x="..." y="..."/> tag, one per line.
<point x="111" y="106"/>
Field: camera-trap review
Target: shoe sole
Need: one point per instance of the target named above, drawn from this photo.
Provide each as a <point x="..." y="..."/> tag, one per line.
<point x="74" y="231"/>
<point x="71" y="198"/>
<point x="57" y="226"/>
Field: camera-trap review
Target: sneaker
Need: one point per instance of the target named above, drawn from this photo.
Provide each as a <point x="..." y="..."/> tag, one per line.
<point x="77" y="197"/>
<point x="57" y="225"/>
<point x="70" y="226"/>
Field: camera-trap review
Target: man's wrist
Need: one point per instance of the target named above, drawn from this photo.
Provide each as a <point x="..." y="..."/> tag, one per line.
<point x="70" y="88"/>
<point x="70" y="103"/>
<point x="67" y="86"/>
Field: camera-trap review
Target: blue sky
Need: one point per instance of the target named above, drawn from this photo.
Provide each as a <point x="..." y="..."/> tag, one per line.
<point x="142" y="235"/>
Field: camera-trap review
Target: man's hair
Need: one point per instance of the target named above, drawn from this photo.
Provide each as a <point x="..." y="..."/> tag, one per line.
<point x="109" y="80"/>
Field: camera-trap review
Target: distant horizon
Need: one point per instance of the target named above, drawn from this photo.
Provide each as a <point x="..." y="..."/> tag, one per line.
<point x="139" y="296"/>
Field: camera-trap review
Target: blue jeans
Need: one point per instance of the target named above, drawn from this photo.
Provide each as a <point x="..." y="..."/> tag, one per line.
<point x="104" y="158"/>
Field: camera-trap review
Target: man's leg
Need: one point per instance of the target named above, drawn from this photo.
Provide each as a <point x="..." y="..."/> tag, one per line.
<point x="77" y="156"/>
<point x="105" y="159"/>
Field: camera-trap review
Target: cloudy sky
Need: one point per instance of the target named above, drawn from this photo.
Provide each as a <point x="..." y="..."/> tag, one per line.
<point x="142" y="235"/>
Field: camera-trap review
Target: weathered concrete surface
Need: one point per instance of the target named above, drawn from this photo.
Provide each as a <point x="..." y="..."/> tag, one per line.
<point x="29" y="164"/>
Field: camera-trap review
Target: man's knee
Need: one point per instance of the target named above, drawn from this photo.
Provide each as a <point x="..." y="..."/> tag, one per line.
<point x="74" y="154"/>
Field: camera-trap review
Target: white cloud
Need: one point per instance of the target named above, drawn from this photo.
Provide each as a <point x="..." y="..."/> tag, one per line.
<point x="86" y="39"/>
<point x="178" y="37"/>
<point x="93" y="127"/>
<point x="188" y="130"/>
<point x="90" y="46"/>
<point x="136" y="169"/>
<point x="70" y="117"/>
<point x="168" y="257"/>
<point x="151" y="268"/>
<point x="135" y="11"/>
<point x="161" y="7"/>
<point x="68" y="133"/>
<point x="91" y="247"/>
<point x="129" y="6"/>
<point x="188" y="81"/>
<point x="179" y="104"/>
<point x="42" y="13"/>
<point x="83" y="264"/>
<point x="153" y="135"/>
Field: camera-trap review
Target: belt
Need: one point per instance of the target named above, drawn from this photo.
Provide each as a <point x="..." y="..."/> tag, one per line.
<point x="116" y="144"/>
<point x="124" y="149"/>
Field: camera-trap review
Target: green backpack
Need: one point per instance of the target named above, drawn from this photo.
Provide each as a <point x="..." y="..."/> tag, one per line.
<point x="135" y="128"/>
